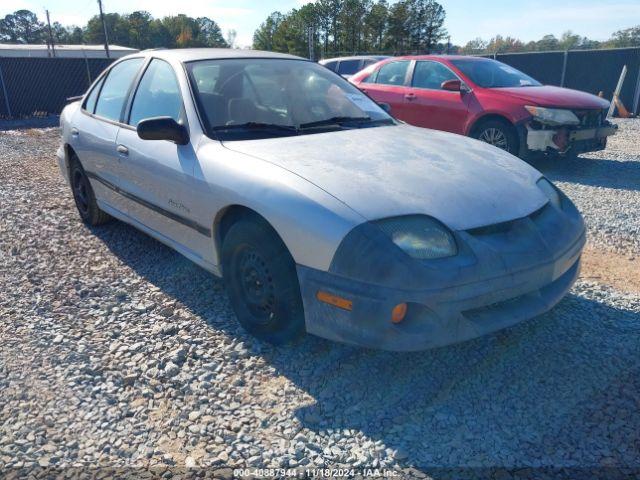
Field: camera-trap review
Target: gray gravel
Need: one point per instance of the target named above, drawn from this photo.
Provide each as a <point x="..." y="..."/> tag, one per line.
<point x="116" y="352"/>
<point x="606" y="188"/>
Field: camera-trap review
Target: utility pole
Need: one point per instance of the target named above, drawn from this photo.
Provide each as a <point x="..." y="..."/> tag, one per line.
<point x="448" y="44"/>
<point x="104" y="28"/>
<point x="53" y="49"/>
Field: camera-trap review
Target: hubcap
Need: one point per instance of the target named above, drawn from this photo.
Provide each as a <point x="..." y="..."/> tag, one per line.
<point x="80" y="192"/>
<point x="257" y="285"/>
<point x="495" y="137"/>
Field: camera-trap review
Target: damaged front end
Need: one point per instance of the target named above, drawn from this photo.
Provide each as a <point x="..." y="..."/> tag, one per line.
<point x="551" y="130"/>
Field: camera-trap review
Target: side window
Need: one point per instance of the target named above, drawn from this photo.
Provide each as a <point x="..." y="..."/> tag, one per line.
<point x="393" y="73"/>
<point x="349" y="67"/>
<point x="115" y="89"/>
<point x="331" y="66"/>
<point x="431" y="75"/>
<point x="90" y="103"/>
<point x="158" y="94"/>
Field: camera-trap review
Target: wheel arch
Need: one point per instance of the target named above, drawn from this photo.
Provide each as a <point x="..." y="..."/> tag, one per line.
<point x="489" y="117"/>
<point x="230" y="215"/>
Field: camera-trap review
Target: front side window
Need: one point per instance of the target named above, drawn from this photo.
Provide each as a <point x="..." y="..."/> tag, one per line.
<point x="116" y="87"/>
<point x="431" y="75"/>
<point x="348" y="67"/>
<point x="393" y="73"/>
<point x="273" y="97"/>
<point x="489" y="73"/>
<point x="158" y="94"/>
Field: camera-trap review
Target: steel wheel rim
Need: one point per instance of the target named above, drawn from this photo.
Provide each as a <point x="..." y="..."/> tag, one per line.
<point x="495" y="137"/>
<point x="256" y="286"/>
<point x="81" y="192"/>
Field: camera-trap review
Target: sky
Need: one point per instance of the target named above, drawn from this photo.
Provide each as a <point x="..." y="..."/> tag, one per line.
<point x="466" y="20"/>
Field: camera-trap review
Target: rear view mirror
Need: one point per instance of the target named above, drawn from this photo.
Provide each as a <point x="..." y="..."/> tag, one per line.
<point x="163" y="128"/>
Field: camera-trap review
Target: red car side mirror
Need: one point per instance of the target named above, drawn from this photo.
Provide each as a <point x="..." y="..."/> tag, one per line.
<point x="452" y="85"/>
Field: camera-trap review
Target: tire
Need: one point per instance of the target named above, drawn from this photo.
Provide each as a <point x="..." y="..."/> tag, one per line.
<point x="262" y="283"/>
<point x="84" y="196"/>
<point x="497" y="133"/>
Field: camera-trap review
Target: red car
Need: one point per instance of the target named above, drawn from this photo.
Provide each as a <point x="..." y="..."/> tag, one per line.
<point x="490" y="101"/>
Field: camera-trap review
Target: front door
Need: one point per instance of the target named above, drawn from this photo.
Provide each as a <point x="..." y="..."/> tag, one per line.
<point x="428" y="105"/>
<point x="160" y="174"/>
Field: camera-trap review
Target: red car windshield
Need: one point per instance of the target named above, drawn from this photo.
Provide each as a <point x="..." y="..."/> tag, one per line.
<point x="493" y="74"/>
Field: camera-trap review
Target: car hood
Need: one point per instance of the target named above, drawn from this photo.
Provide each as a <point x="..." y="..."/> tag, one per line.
<point x="548" y="96"/>
<point x="398" y="170"/>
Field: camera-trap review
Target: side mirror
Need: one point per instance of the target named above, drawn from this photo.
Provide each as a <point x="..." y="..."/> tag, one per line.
<point x="385" y="106"/>
<point x="455" y="86"/>
<point x="163" y="128"/>
<point x="452" y="85"/>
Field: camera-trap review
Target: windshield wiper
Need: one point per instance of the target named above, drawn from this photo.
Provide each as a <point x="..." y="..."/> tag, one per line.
<point x="334" y="121"/>
<point x="256" y="126"/>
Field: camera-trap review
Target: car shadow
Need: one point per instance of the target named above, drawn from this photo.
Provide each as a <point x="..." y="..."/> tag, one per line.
<point x="598" y="171"/>
<point x="560" y="390"/>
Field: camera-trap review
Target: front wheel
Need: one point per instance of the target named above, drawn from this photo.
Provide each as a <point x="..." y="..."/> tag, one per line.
<point x="261" y="280"/>
<point x="499" y="134"/>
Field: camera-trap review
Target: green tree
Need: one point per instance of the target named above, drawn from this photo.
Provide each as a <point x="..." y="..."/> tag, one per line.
<point x="210" y="34"/>
<point x="22" y="26"/>
<point x="375" y="25"/>
<point x="263" y="37"/>
<point x="117" y="30"/>
<point x="629" y="37"/>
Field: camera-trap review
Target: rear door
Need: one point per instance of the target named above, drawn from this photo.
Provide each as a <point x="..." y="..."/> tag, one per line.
<point x="428" y="105"/>
<point x="94" y="136"/>
<point x="388" y="85"/>
<point x="159" y="179"/>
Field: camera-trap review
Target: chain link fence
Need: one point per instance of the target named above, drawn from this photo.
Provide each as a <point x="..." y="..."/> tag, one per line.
<point x="592" y="71"/>
<point x="36" y="87"/>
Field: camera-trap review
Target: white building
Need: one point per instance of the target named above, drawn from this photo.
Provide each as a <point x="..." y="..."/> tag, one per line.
<point x="63" y="51"/>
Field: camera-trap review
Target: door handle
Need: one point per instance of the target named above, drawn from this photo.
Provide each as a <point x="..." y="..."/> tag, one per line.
<point x="122" y="150"/>
<point x="74" y="131"/>
<point x="410" y="96"/>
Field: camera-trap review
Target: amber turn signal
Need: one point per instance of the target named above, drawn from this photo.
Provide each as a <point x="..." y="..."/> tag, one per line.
<point x="334" y="300"/>
<point x="398" y="313"/>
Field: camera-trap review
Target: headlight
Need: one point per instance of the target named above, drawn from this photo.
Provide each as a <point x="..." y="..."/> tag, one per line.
<point x="420" y="236"/>
<point x="553" y="116"/>
<point x="550" y="191"/>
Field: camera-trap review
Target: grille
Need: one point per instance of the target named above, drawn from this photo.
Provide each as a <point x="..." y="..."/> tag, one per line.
<point x="590" y="118"/>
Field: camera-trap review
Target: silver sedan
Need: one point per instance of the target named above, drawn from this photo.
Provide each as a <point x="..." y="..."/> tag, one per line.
<point x="320" y="211"/>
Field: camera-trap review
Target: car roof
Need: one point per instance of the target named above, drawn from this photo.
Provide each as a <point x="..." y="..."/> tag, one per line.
<point x="353" y="57"/>
<point x="443" y="57"/>
<point x="194" y="54"/>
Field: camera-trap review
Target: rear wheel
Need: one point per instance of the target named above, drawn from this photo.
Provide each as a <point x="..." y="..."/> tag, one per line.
<point x="261" y="280"/>
<point x="84" y="196"/>
<point x="499" y="134"/>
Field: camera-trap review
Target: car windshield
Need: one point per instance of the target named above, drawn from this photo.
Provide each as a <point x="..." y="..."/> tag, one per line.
<point x="261" y="97"/>
<point x="493" y="74"/>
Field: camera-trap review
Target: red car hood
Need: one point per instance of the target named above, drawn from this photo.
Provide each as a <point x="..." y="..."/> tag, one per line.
<point x="548" y="96"/>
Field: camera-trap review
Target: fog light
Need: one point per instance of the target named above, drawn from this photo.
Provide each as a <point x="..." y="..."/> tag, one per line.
<point x="398" y="312"/>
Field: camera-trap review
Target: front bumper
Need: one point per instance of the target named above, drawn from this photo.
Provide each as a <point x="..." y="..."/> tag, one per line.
<point x="565" y="138"/>
<point x="510" y="281"/>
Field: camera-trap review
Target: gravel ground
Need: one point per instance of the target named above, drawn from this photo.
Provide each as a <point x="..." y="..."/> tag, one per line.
<point x="118" y="352"/>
